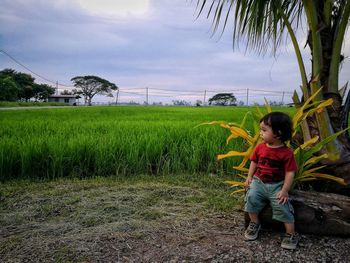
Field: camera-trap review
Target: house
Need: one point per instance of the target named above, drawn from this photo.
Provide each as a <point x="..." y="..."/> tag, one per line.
<point x="69" y="99"/>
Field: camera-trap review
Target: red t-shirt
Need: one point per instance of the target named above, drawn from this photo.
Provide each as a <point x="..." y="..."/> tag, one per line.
<point x="273" y="163"/>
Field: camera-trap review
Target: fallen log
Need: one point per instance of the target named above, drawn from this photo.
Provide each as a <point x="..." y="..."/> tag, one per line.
<point x="315" y="213"/>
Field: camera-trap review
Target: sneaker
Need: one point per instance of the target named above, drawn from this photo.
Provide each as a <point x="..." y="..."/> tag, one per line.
<point x="252" y="231"/>
<point x="290" y="241"/>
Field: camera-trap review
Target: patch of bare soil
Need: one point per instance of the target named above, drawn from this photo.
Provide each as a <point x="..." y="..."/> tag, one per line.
<point x="217" y="239"/>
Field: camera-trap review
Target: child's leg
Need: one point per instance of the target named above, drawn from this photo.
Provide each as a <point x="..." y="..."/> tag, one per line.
<point x="254" y="217"/>
<point x="281" y="212"/>
<point x="252" y="231"/>
<point x="291" y="238"/>
<point x="289" y="228"/>
<point x="255" y="201"/>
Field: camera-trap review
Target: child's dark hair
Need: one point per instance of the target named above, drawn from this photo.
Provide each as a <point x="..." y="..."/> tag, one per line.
<point x="280" y="123"/>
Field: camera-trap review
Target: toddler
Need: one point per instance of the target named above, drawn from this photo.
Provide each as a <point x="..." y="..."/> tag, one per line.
<point x="270" y="177"/>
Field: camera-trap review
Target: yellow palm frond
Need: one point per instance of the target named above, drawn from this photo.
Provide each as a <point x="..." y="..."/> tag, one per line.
<point x="315" y="159"/>
<point x="235" y="183"/>
<point x="241" y="133"/>
<point x="240" y="168"/>
<point x="244" y="161"/>
<point x="225" y="125"/>
<point x="297" y="117"/>
<point x="309" y="142"/>
<point x="211" y="123"/>
<point x="320" y="107"/>
<point x="329" y="177"/>
<point x="231" y="154"/>
<point x="267" y="105"/>
<point x="300" y="112"/>
<point x="309" y="171"/>
<point x="311" y="97"/>
<point x="259" y="112"/>
<point x="296" y="151"/>
<point x="242" y="176"/>
<point x="238" y="191"/>
<point x="231" y="137"/>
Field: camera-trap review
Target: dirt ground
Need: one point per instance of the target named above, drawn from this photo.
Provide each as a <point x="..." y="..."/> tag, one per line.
<point x="218" y="239"/>
<point x="148" y="222"/>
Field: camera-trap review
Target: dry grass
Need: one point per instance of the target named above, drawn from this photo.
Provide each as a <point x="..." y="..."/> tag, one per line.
<point x="71" y="220"/>
<point x="140" y="219"/>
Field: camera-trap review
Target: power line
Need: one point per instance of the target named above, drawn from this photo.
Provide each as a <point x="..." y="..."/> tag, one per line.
<point x="134" y="93"/>
<point x="166" y="92"/>
<point x="34" y="73"/>
<point x="272" y="91"/>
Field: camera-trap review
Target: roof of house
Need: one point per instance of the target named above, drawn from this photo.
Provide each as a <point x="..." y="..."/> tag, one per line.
<point x="62" y="96"/>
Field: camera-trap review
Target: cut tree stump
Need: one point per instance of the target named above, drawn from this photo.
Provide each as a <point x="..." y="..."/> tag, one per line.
<point x="315" y="213"/>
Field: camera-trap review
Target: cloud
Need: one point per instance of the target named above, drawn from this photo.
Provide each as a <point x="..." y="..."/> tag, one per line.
<point x="155" y="44"/>
<point x="112" y="8"/>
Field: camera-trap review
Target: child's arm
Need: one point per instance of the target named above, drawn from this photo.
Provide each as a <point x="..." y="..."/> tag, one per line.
<point x="283" y="194"/>
<point x="251" y="172"/>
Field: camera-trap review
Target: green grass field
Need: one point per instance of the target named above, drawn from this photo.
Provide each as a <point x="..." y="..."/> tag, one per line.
<point x="7" y="104"/>
<point x="106" y="141"/>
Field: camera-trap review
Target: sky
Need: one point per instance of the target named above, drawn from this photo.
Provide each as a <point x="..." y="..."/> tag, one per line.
<point x="153" y="50"/>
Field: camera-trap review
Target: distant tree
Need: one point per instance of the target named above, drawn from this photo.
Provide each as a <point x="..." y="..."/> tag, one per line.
<point x="89" y="86"/>
<point x="24" y="82"/>
<point x="66" y="92"/>
<point x="43" y="91"/>
<point x="8" y="90"/>
<point x="199" y="103"/>
<point x="223" y="99"/>
<point x="241" y="103"/>
<point x="275" y="103"/>
<point x="181" y="103"/>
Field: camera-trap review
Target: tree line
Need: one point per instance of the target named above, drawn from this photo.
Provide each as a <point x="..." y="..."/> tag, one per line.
<point x="18" y="86"/>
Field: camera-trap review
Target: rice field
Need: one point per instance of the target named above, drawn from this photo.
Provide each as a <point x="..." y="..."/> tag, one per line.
<point x="107" y="141"/>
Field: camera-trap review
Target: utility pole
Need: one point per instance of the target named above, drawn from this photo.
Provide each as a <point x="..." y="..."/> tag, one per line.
<point x="283" y="98"/>
<point x="116" y="100"/>
<point x="56" y="87"/>
<point x="247" y="96"/>
<point x="146" y="95"/>
<point x="205" y="94"/>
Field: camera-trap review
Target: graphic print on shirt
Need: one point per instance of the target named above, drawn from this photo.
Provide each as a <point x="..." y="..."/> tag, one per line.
<point x="270" y="170"/>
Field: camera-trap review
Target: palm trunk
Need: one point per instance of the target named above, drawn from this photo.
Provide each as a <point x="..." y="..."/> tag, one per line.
<point x="324" y="42"/>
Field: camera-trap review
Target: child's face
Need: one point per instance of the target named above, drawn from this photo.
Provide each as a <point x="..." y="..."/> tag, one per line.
<point x="267" y="135"/>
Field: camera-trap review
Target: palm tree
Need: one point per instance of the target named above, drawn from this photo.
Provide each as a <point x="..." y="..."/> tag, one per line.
<point x="264" y="23"/>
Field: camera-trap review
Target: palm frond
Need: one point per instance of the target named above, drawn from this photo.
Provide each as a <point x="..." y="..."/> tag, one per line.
<point x="259" y="22"/>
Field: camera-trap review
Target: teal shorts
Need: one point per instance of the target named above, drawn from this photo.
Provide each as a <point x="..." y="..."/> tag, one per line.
<point x="259" y="194"/>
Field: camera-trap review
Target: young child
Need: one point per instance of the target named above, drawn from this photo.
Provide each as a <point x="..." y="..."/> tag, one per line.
<point x="270" y="177"/>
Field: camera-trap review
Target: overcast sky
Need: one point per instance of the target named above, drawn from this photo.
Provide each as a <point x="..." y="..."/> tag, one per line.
<point x="139" y="44"/>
